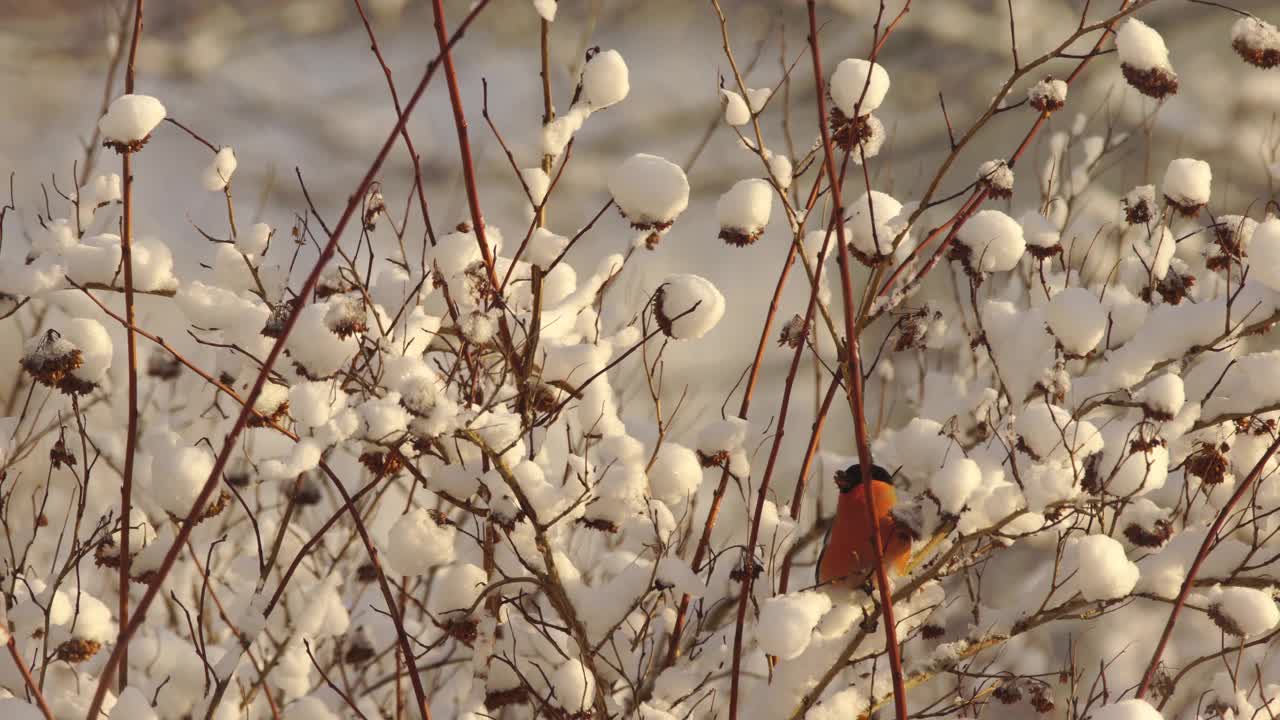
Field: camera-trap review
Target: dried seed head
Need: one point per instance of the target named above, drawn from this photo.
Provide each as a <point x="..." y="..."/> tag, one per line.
<point x="932" y="632"/>
<point x="359" y="649"/>
<point x="374" y="206"/>
<point x="1173" y="289"/>
<point x="739" y="573"/>
<point x="732" y="236"/>
<point x="304" y="491"/>
<point x="163" y="366"/>
<point x="1153" y="537"/>
<point x="59" y="455"/>
<point x="380" y="462"/>
<point x="1008" y="693"/>
<point x="77" y="650"/>
<point x="1256" y="41"/>
<point x="1153" y="82"/>
<point x="419" y="395"/>
<point x="1048" y="95"/>
<point x="1042" y="699"/>
<point x="1208" y="463"/>
<point x="497" y="699"/>
<point x="269" y="416"/>
<point x="996" y="177"/>
<point x="276" y="321"/>
<point x="1226" y="623"/>
<point x="862" y="136"/>
<point x="346" y="317"/>
<point x="794" y="332"/>
<point x="212" y="510"/>
<point x="1138" y="205"/>
<point x="333" y="282"/>
<point x="1231" y="237"/>
<point x="913" y="330"/>
<point x="107" y="554"/>
<point x="49" y="358"/>
<point x="603" y="525"/>
<point x="464" y="631"/>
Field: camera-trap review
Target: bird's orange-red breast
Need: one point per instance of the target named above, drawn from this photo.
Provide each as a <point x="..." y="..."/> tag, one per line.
<point x="849" y="557"/>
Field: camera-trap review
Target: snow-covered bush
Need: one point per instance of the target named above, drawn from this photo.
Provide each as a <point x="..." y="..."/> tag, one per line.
<point x="359" y="461"/>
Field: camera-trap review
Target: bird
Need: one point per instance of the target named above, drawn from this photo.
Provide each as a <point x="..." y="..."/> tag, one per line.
<point x="848" y="556"/>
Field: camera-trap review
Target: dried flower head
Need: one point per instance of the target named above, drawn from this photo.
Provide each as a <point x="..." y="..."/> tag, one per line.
<point x="1208" y="463"/>
<point x="996" y="177"/>
<point x="1257" y="42"/>
<point x="380" y="462"/>
<point x="49" y="358"/>
<point x="1155" y="82"/>
<point x="861" y="136"/>
<point x="77" y="650"/>
<point x="794" y="332"/>
<point x="276" y="321"/>
<point x="1048" y="95"/>
<point x="374" y="206"/>
<point x="1138" y="205"/>
<point x="163" y="366"/>
<point x="346" y="316"/>
<point x="1149" y="537"/>
<point x="359" y="649"/>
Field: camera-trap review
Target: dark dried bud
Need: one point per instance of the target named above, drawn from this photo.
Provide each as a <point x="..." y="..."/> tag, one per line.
<point x="1008" y="693"/>
<point x="163" y="366"/>
<point x="1224" y="622"/>
<point x="359" y="650"/>
<point x="932" y="632"/>
<point x="381" y="463"/>
<point x="464" y="631"/>
<point x="1042" y="700"/>
<point x="600" y="524"/>
<point x="497" y="699"/>
<point x="304" y="491"/>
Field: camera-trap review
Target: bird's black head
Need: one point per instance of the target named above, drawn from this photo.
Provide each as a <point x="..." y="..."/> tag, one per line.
<point x="851" y="477"/>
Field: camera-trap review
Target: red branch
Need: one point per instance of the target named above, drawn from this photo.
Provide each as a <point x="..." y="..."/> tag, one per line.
<point x="853" y="378"/>
<point x="28" y="680"/>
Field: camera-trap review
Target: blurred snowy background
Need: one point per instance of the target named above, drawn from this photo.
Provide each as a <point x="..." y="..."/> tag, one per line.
<point x="292" y="84"/>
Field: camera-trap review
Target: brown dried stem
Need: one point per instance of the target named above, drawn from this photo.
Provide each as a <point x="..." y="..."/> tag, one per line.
<point x="131" y="340"/>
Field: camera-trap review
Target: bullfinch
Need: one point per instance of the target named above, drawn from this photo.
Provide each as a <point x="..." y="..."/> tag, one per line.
<point x="848" y="557"/>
